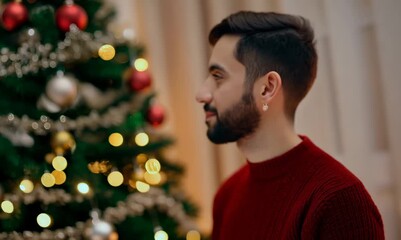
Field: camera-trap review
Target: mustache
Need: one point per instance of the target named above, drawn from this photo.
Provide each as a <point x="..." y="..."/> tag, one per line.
<point x="209" y="108"/>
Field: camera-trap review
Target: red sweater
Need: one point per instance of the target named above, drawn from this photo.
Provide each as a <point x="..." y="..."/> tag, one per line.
<point x="302" y="194"/>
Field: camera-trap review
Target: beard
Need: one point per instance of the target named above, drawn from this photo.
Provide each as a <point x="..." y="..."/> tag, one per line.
<point x="235" y="123"/>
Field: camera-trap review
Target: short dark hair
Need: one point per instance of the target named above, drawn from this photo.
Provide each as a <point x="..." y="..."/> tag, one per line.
<point x="273" y="42"/>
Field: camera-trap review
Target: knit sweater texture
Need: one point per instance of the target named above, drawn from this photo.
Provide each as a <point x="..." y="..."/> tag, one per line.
<point x="301" y="194"/>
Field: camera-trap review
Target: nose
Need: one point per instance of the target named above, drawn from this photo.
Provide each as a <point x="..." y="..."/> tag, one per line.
<point x="204" y="95"/>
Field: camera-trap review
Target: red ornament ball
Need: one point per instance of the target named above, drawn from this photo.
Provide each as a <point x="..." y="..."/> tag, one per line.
<point x="155" y="115"/>
<point x="14" y="15"/>
<point x="71" y="14"/>
<point x="139" y="80"/>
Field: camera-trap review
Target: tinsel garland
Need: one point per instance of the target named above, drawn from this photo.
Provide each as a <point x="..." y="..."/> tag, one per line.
<point x="134" y="205"/>
<point x="33" y="56"/>
<point x="114" y="116"/>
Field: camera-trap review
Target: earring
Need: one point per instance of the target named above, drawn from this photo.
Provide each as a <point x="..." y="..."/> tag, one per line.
<point x="265" y="107"/>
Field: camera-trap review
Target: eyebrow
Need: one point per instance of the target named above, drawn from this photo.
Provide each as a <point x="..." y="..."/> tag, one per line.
<point x="214" y="67"/>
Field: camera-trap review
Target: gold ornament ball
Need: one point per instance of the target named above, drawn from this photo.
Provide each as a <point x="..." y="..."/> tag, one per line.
<point x="63" y="140"/>
<point x="107" y="52"/>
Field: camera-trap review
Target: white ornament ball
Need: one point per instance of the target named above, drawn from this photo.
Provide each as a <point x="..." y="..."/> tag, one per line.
<point x="62" y="90"/>
<point x="99" y="230"/>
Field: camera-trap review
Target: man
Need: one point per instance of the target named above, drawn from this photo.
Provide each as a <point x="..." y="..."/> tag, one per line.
<point x="261" y="67"/>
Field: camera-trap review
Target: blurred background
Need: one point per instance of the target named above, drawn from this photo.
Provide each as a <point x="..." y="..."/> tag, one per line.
<point x="352" y="111"/>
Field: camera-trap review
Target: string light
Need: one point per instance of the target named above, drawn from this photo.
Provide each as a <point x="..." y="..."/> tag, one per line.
<point x="59" y="177"/>
<point x="142" y="187"/>
<point x="107" y="52"/>
<point x="161" y="235"/>
<point x="152" y="166"/>
<point x="59" y="163"/>
<point x="153" y="179"/>
<point x="83" y="187"/>
<point x="141" y="64"/>
<point x="115" y="178"/>
<point x="7" y="206"/>
<point x="142" y="139"/>
<point x="44" y="220"/>
<point x="26" y="186"/>
<point x="48" y="180"/>
<point x="193" y="235"/>
<point x="116" y="139"/>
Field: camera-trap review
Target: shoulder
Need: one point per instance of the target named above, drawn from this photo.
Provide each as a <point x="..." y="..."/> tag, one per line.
<point x="348" y="213"/>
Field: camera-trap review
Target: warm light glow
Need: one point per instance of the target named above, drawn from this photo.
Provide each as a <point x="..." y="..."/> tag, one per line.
<point x="116" y="139"/>
<point x="48" y="180"/>
<point x="59" y="163"/>
<point x="193" y="235"/>
<point x="107" y="52"/>
<point x="153" y="179"/>
<point x="142" y="139"/>
<point x="44" y="220"/>
<point x="83" y="188"/>
<point x="152" y="166"/>
<point x="59" y="177"/>
<point x="115" y="178"/>
<point x="141" y="64"/>
<point x="141" y="158"/>
<point x="26" y="186"/>
<point x="142" y="187"/>
<point x="161" y="235"/>
<point x="7" y="206"/>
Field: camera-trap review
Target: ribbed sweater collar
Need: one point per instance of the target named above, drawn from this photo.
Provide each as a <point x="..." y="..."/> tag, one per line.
<point x="284" y="163"/>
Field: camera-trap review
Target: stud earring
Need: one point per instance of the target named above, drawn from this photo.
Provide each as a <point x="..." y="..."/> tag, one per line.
<point x="265" y="107"/>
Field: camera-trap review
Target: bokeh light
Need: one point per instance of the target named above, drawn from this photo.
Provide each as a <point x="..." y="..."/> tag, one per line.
<point x="152" y="166"/>
<point x="26" y="186"/>
<point x="115" y="178"/>
<point x="7" y="206"/>
<point x="116" y="139"/>
<point x="59" y="163"/>
<point x="44" y="220"/>
<point x="141" y="64"/>
<point x="83" y="187"/>
<point x="142" y="139"/>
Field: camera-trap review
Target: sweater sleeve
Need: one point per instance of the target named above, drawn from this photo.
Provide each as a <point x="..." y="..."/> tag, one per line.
<point x="349" y="213"/>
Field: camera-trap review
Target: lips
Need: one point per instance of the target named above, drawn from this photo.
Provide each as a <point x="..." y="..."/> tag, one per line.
<point x="209" y="114"/>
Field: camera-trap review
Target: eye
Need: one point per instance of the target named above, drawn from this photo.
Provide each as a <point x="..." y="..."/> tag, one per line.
<point x="217" y="76"/>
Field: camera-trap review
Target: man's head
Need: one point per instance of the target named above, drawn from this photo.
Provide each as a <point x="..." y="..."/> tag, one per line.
<point x="248" y="46"/>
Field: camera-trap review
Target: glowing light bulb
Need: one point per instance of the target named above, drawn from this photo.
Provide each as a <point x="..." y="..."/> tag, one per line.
<point x="116" y="139"/>
<point x="59" y="163"/>
<point x="153" y="179"/>
<point x="161" y="235"/>
<point x="152" y="166"/>
<point x="142" y="139"/>
<point x="142" y="187"/>
<point x="141" y="64"/>
<point x="48" y="180"/>
<point x="83" y="188"/>
<point x="26" y="186"/>
<point x="59" y="177"/>
<point x="193" y="235"/>
<point x="107" y="52"/>
<point x="7" y="206"/>
<point x="115" y="178"/>
<point x="44" y="220"/>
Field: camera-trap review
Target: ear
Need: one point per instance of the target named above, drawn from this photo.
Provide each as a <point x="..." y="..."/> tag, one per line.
<point x="270" y="86"/>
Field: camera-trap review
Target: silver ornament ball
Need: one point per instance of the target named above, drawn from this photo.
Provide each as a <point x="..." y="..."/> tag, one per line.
<point x="62" y="90"/>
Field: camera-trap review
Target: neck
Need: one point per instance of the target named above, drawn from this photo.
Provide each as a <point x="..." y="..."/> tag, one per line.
<point x="271" y="139"/>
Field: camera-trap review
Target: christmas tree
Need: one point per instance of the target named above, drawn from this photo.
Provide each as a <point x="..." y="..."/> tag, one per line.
<point x="81" y="153"/>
